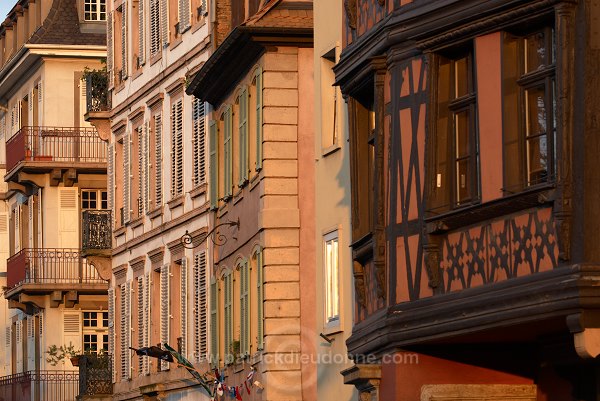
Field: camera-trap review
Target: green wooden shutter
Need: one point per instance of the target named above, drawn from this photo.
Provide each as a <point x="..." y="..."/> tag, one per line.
<point x="243" y="137"/>
<point x="244" y="309"/>
<point x="259" y="119"/>
<point x="214" y="165"/>
<point x="260" y="298"/>
<point x="214" y="322"/>
<point x="228" y="317"/>
<point x="227" y="150"/>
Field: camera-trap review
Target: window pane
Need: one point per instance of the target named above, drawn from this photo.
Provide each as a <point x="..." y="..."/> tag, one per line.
<point x="463" y="184"/>
<point x="510" y="71"/>
<point x="535" y="111"/>
<point x="440" y="186"/>
<point x="461" y="77"/>
<point x="535" y="52"/>
<point x="461" y="130"/>
<point x="537" y="161"/>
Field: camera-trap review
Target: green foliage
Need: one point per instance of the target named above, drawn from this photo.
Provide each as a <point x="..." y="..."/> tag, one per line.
<point x="59" y="354"/>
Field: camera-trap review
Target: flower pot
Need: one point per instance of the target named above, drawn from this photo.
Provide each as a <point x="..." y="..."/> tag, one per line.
<point x="75" y="360"/>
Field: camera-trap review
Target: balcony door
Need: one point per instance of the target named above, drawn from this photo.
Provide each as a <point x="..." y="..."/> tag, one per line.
<point x="68" y="217"/>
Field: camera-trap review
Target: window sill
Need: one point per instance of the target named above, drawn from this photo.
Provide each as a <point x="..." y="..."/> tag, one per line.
<point x="157" y="57"/>
<point x="254" y="181"/>
<point x="155" y="213"/>
<point x="476" y="213"/>
<point x="199" y="190"/>
<point x="176" y="43"/>
<point x="137" y="73"/>
<point x="119" y="231"/>
<point x="175" y="202"/>
<point x="199" y="24"/>
<point x="238" y="196"/>
<point x="332" y="329"/>
<point x="135" y="223"/>
<point x="330" y="150"/>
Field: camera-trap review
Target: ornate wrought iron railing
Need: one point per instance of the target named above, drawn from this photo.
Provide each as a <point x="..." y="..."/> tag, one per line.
<point x="50" y="266"/>
<point x="95" y="374"/>
<point x="51" y="144"/>
<point x="55" y="385"/>
<point x="97" y="91"/>
<point x="97" y="229"/>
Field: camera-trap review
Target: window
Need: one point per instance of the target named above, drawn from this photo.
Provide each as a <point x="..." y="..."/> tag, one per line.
<point x="200" y="305"/>
<point x="455" y="174"/>
<point x="329" y="103"/>
<point x="94" y="10"/>
<point x="177" y="148"/>
<point x="260" y="298"/>
<point x="94" y="199"/>
<point x="259" y="117"/>
<point x="214" y="160"/>
<point x="528" y="109"/>
<point x="332" y="290"/>
<point x="95" y="331"/>
<point x="363" y="160"/>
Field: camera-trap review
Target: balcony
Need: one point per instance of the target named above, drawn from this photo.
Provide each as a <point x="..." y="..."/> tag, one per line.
<point x="42" y="271"/>
<point x="95" y="375"/>
<point x="54" y="149"/>
<point x="98" y="102"/>
<point x="55" y="385"/>
<point x="97" y="231"/>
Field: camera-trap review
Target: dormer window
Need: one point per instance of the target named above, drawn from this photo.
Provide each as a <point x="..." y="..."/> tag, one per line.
<point x="94" y="10"/>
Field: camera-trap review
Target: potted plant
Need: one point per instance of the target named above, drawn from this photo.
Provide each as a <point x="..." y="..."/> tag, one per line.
<point x="59" y="354"/>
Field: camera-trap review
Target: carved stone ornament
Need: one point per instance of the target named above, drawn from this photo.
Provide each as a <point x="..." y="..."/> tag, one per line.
<point x="432" y="264"/>
<point x="350" y="6"/>
<point x="359" y="284"/>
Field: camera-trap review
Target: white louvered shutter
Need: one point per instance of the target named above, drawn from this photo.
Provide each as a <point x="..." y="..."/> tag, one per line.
<point x="4" y="236"/>
<point x="142" y="163"/>
<point x="213" y="165"/>
<point x="110" y="172"/>
<point x="203" y="8"/>
<point x="41" y="325"/>
<point x="155" y="27"/>
<point x="109" y="50"/>
<point x="164" y="22"/>
<point x="244" y="308"/>
<point x="17" y="225"/>
<point x="142" y="34"/>
<point x="40" y="103"/>
<point x="200" y="304"/>
<point x="141" y="321"/>
<point x="147" y="317"/>
<point x="198" y="141"/>
<point x="177" y="148"/>
<point x="126" y="177"/>
<point x="184" y="304"/>
<point x="124" y="41"/>
<point x="111" y="330"/>
<point x="165" y="310"/>
<point x="184" y="15"/>
<point x="30" y="228"/>
<point x="72" y="329"/>
<point x="146" y="171"/>
<point x="158" y="190"/>
<point x="214" y="322"/>
<point x="259" y="119"/>
<point x="243" y="137"/>
<point x="227" y="150"/>
<point x="125" y="294"/>
<point x="260" y="297"/>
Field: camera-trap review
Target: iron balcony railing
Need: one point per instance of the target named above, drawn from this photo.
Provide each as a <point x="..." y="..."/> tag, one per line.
<point x="42" y="385"/>
<point x="97" y="229"/>
<point x="95" y="374"/>
<point x="47" y="266"/>
<point x="97" y="91"/>
<point x="56" y="144"/>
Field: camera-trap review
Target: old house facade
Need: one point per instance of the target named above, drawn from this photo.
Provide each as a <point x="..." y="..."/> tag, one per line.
<point x="259" y="83"/>
<point x="54" y="172"/>
<point x="473" y="226"/>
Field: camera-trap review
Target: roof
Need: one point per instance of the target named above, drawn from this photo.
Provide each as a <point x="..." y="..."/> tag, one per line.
<point x="61" y="27"/>
<point x="277" y="22"/>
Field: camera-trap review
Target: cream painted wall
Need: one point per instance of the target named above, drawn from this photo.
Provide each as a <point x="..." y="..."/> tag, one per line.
<point x="332" y="207"/>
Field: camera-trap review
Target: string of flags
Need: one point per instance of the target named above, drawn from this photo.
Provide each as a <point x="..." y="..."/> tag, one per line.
<point x="206" y="379"/>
